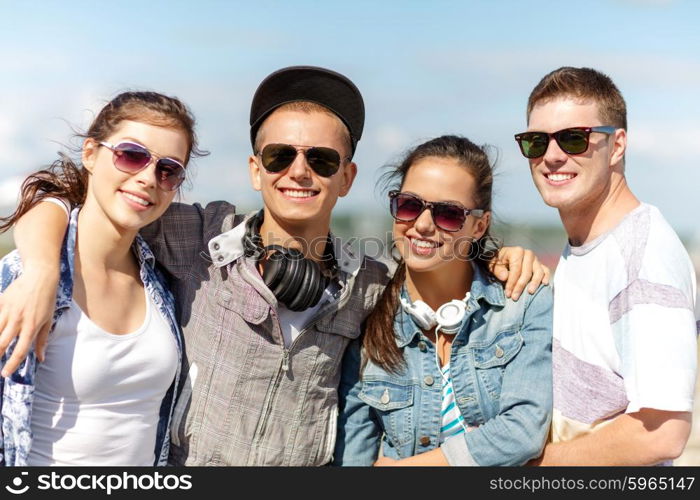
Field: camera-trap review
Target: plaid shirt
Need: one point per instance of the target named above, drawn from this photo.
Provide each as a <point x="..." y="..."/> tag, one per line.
<point x="248" y="400"/>
<point x="17" y="391"/>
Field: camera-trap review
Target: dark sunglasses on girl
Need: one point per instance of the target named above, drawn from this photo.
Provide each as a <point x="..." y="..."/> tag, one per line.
<point x="277" y="157"/>
<point x="448" y="216"/>
<point x="573" y="140"/>
<point x="131" y="158"/>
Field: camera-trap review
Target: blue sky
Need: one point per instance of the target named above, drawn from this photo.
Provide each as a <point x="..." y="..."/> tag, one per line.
<point x="424" y="68"/>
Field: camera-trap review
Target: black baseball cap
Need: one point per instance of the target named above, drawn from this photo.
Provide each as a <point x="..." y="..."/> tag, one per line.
<point x="309" y="83"/>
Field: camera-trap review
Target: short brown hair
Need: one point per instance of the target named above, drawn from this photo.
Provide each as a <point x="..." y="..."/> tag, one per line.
<point x="583" y="84"/>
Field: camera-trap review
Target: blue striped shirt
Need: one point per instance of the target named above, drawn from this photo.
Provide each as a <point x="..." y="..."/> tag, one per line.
<point x="452" y="419"/>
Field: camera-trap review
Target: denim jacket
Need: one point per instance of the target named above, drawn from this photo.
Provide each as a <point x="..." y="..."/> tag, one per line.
<point x="501" y="371"/>
<point x="17" y="391"/>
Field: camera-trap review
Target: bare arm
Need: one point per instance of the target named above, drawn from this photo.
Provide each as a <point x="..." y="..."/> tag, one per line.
<point x="646" y="437"/>
<point x="27" y="305"/>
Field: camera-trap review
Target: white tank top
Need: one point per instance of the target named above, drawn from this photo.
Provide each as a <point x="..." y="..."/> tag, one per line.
<point x="98" y="394"/>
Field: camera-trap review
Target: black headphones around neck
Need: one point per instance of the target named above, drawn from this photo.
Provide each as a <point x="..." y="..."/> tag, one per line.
<point x="296" y="282"/>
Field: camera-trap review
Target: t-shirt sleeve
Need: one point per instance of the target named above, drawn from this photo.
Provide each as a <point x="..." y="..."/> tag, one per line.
<point x="61" y="202"/>
<point x="656" y="335"/>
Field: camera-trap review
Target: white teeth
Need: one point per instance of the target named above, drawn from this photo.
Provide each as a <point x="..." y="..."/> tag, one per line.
<point x="138" y="200"/>
<point x="294" y="193"/>
<point x="560" y="177"/>
<point x="424" y="243"/>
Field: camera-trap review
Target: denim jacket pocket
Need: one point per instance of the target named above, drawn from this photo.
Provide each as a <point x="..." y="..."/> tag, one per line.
<point x="490" y="359"/>
<point x="393" y="404"/>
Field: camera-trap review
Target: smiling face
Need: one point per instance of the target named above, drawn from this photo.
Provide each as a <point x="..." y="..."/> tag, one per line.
<point x="131" y="201"/>
<point x="574" y="182"/>
<point x="297" y="197"/>
<point x="423" y="246"/>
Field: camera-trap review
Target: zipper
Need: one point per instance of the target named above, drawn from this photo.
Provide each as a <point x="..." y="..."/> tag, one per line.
<point x="278" y="376"/>
<point x="285" y="360"/>
<point x="284" y="364"/>
<point x="344" y="295"/>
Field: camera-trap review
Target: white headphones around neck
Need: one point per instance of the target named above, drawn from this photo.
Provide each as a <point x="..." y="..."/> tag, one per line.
<point x="448" y="318"/>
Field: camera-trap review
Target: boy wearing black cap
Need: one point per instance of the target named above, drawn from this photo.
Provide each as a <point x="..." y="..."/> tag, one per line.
<point x="265" y="389"/>
<point x="269" y="302"/>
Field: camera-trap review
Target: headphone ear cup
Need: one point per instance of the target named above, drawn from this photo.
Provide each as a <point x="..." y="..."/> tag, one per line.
<point x="450" y="316"/>
<point x="299" y="288"/>
<point x="302" y="298"/>
<point x="288" y="287"/>
<point x="274" y="271"/>
<point x="296" y="282"/>
<point x="425" y="314"/>
<point x="421" y="312"/>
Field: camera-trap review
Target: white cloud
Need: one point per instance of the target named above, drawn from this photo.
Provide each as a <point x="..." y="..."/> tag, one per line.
<point x="9" y="192"/>
<point x="24" y="61"/>
<point x="37" y="120"/>
<point x="390" y="138"/>
<point x="666" y="142"/>
<point x="11" y="152"/>
<point x="515" y="67"/>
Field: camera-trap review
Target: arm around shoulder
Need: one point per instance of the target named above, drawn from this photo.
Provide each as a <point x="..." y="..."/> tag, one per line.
<point x="180" y="236"/>
<point x="39" y="235"/>
<point x="27" y="304"/>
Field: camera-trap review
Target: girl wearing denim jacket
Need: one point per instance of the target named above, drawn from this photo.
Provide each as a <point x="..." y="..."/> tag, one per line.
<point x="448" y="371"/>
<point x="105" y="391"/>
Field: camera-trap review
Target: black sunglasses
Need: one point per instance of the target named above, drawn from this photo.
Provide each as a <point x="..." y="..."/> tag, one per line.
<point x="448" y="216"/>
<point x="131" y="158"/>
<point x="573" y="140"/>
<point x="277" y="157"/>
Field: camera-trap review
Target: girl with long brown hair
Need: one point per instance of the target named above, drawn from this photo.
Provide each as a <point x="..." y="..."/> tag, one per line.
<point x="105" y="393"/>
<point x="449" y="371"/>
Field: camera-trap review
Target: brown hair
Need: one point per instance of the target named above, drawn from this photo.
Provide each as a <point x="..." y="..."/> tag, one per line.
<point x="582" y="84"/>
<point x="379" y="342"/>
<point x="305" y="107"/>
<point x="67" y="179"/>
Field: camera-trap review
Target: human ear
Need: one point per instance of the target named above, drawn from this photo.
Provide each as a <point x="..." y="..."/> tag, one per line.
<point x="482" y="225"/>
<point x="254" y="172"/>
<point x="89" y="154"/>
<point x="619" y="146"/>
<point x="349" y="174"/>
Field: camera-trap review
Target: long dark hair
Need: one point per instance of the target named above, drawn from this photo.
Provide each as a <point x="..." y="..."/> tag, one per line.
<point x="379" y="341"/>
<point x="67" y="179"/>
